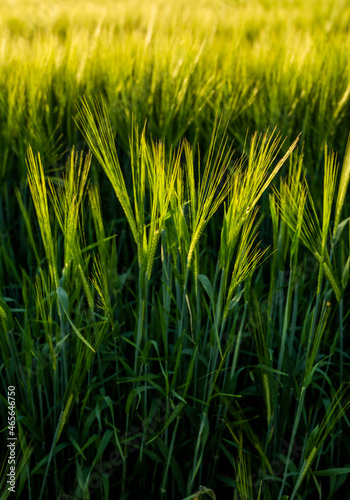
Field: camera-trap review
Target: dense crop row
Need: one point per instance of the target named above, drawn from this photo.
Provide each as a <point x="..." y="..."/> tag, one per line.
<point x="175" y="249"/>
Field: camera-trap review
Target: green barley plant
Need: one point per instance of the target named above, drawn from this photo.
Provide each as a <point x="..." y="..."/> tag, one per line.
<point x="173" y="285"/>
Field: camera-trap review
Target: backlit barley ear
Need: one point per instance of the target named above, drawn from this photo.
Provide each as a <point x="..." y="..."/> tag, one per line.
<point x="37" y="184"/>
<point x="305" y="225"/>
<point x="343" y="186"/>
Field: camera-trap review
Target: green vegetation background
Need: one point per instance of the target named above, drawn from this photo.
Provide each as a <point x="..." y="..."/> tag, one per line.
<point x="154" y="346"/>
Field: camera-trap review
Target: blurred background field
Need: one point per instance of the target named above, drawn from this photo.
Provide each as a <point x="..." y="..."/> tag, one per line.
<point x="178" y="64"/>
<point x="206" y="368"/>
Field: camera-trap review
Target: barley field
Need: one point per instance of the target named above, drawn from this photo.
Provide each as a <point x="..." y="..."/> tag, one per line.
<point x="174" y="249"/>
